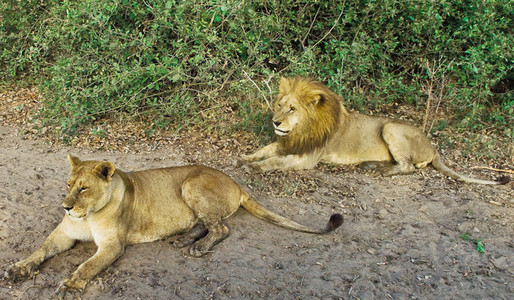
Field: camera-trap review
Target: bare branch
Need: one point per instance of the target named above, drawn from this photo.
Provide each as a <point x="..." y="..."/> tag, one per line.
<point x="262" y="93"/>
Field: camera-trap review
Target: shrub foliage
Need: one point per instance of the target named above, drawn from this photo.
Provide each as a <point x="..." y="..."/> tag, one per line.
<point x="174" y="59"/>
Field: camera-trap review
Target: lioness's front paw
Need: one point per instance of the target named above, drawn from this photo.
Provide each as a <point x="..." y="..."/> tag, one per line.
<point x="70" y="289"/>
<point x="19" y="272"/>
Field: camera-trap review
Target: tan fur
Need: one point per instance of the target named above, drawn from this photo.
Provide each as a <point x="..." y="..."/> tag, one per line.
<point x="115" y="209"/>
<point x="313" y="126"/>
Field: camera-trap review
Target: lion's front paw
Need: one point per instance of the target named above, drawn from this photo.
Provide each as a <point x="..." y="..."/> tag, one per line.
<point x="19" y="272"/>
<point x="247" y="163"/>
<point x="247" y="158"/>
<point x="70" y="289"/>
<point x="238" y="161"/>
<point x="253" y="167"/>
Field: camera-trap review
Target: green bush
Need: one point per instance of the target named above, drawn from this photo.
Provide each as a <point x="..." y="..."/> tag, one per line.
<point x="174" y="59"/>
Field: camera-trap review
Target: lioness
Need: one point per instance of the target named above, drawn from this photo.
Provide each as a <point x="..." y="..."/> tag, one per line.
<point x="313" y="126"/>
<point x="114" y="209"/>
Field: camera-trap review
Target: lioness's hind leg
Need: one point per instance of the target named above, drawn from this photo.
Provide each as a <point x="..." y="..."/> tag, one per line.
<point x="188" y="238"/>
<point x="217" y="232"/>
<point x="212" y="196"/>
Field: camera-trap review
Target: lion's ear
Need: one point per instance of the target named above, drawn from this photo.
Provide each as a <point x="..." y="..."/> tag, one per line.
<point x="317" y="98"/>
<point x="105" y="170"/>
<point x="73" y="160"/>
<point x="283" y="85"/>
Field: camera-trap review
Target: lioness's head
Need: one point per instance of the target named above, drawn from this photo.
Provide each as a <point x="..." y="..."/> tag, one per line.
<point x="305" y="114"/>
<point x="89" y="186"/>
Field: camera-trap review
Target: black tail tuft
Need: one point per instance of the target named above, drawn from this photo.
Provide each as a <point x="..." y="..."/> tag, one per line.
<point x="503" y="180"/>
<point x="335" y="221"/>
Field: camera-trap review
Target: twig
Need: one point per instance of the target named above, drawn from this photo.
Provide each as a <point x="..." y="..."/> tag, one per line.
<point x="267" y="83"/>
<point x="30" y="287"/>
<point x="148" y="5"/>
<point x="434" y="89"/>
<point x="262" y="93"/>
<point x="440" y="98"/>
<point x="312" y="24"/>
<point x="336" y="22"/>
<point x="429" y="92"/>
<point x="493" y="169"/>
<point x="333" y="26"/>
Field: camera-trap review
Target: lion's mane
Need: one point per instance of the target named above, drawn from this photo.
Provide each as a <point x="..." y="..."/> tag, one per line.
<point x="320" y="120"/>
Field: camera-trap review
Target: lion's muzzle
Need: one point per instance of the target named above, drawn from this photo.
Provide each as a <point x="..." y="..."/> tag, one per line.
<point x="278" y="131"/>
<point x="281" y="132"/>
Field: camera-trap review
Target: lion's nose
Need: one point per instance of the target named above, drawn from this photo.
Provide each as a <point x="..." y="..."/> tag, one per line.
<point x="277" y="123"/>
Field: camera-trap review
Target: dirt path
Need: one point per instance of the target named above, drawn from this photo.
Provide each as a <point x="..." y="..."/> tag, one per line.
<point x="402" y="236"/>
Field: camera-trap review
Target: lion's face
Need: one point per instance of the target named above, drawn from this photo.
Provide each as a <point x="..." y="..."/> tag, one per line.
<point x="89" y="187"/>
<point x="287" y="115"/>
<point x="305" y="114"/>
<point x="296" y="107"/>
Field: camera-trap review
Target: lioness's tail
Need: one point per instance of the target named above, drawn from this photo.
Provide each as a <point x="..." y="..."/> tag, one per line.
<point x="261" y="212"/>
<point x="439" y="165"/>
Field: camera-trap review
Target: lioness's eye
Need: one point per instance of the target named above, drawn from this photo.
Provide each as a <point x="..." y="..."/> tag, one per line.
<point x="292" y="109"/>
<point x="67" y="185"/>
<point x="82" y="189"/>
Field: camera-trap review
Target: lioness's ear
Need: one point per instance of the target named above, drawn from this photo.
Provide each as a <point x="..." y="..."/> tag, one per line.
<point x="73" y="160"/>
<point x="105" y="170"/>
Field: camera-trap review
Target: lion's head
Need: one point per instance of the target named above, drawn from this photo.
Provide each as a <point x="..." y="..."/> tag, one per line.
<point x="89" y="187"/>
<point x="306" y="113"/>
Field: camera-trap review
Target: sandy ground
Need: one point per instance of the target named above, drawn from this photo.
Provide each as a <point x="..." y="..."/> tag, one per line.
<point x="402" y="236"/>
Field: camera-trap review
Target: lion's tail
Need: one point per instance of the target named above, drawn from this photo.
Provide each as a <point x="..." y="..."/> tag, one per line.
<point x="439" y="165"/>
<point x="261" y="212"/>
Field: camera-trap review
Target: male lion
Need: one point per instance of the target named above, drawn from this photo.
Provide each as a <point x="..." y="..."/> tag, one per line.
<point x="313" y="126"/>
<point x="114" y="209"/>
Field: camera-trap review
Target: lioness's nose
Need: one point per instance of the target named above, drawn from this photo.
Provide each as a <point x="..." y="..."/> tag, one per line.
<point x="277" y="123"/>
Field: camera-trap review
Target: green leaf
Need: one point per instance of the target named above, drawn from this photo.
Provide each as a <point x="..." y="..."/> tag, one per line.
<point x="176" y="77"/>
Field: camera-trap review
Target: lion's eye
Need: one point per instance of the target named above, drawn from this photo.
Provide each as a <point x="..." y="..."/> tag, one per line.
<point x="292" y="109"/>
<point x="82" y="189"/>
<point x="67" y="185"/>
